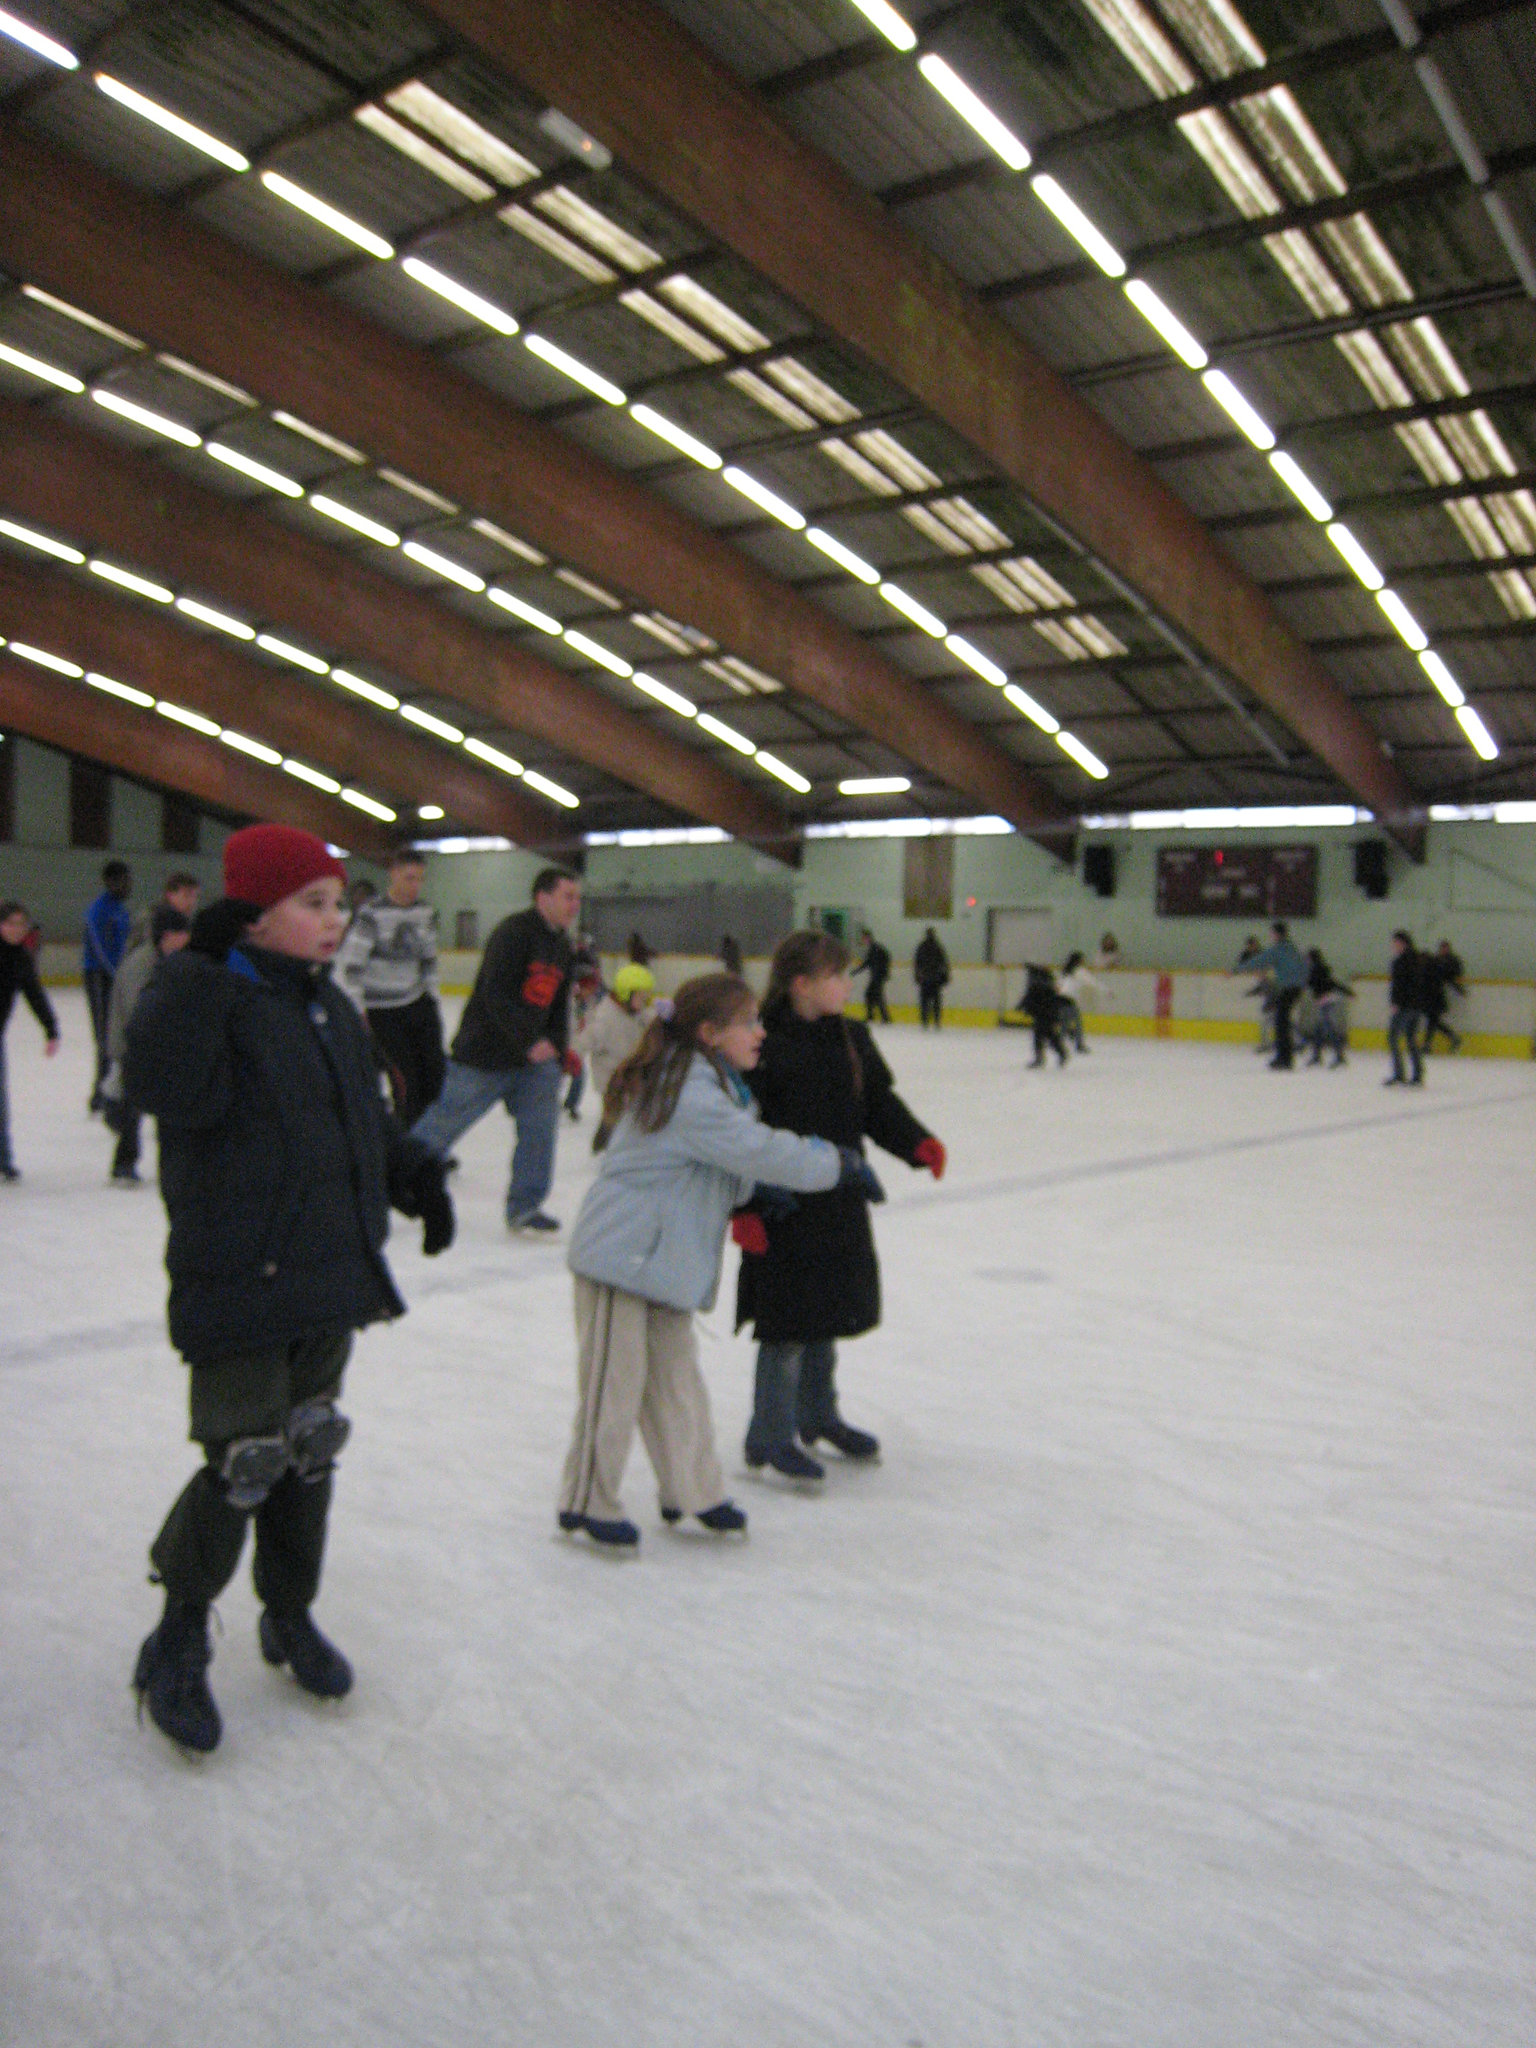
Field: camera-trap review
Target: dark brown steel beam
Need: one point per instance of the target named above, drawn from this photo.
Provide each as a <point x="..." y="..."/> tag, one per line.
<point x="82" y="721"/>
<point x="685" y="124"/>
<point x="80" y="619"/>
<point x="102" y="494"/>
<point x="66" y="225"/>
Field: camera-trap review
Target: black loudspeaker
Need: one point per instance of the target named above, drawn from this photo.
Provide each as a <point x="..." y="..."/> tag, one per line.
<point x="1099" y="869"/>
<point x="1371" y="867"/>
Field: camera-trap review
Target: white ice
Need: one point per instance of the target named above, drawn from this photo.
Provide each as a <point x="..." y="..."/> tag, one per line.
<point x="1168" y="1685"/>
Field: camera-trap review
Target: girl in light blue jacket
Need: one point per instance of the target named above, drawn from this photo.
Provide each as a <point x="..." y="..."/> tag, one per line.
<point x="687" y="1150"/>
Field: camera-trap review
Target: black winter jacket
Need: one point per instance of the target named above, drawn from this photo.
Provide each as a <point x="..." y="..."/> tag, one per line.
<point x="819" y="1277"/>
<point x="277" y="1154"/>
<point x="520" y="995"/>
<point x="930" y="964"/>
<point x="1406" y="990"/>
<point x="18" y="977"/>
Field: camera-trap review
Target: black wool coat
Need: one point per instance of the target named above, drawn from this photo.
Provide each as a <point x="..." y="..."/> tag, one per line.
<point x="820" y="1277"/>
<point x="277" y="1153"/>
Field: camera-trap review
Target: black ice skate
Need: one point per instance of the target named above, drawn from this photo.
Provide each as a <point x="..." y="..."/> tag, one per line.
<point x="171" y="1678"/>
<point x="791" y="1463"/>
<point x="842" y="1436"/>
<point x="725" y="1519"/>
<point x="318" y="1665"/>
<point x="618" y="1535"/>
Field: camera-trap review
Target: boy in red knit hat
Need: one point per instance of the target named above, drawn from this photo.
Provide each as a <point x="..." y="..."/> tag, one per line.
<point x="279" y="1163"/>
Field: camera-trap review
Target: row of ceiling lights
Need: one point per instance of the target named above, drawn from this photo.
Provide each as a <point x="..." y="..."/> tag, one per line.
<point x="1000" y="138"/>
<point x="502" y="322"/>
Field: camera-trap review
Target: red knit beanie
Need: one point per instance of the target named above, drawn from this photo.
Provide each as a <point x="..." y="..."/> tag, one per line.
<point x="265" y="863"/>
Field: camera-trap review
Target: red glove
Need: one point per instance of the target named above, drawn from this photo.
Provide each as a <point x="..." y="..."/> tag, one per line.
<point x="571" y="1063"/>
<point x="932" y="1155"/>
<point x="750" y="1232"/>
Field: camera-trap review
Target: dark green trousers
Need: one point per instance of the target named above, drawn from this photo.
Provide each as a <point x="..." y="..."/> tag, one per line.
<point x="198" y="1549"/>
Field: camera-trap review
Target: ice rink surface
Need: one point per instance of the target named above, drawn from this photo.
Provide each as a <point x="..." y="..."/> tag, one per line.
<point x="1168" y="1685"/>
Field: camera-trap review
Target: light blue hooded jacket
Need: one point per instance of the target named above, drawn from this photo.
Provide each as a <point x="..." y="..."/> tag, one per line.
<point x="654" y="1221"/>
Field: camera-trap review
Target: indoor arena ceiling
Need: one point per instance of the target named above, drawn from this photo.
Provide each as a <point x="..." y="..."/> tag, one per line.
<point x="649" y="445"/>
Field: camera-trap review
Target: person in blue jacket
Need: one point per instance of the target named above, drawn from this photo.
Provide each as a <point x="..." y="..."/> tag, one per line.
<point x="107" y="926"/>
<point x="1288" y="970"/>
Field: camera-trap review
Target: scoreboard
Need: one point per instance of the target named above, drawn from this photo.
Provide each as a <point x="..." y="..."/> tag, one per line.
<point x="1245" y="881"/>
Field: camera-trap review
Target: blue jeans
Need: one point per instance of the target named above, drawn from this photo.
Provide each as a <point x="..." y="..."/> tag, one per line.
<point x="1403" y="1030"/>
<point x="793" y="1390"/>
<point x="532" y="1098"/>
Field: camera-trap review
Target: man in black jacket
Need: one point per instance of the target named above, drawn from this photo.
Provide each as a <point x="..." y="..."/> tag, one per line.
<point x="877" y="965"/>
<point x="512" y="1045"/>
<point x="1405" y="998"/>
<point x="1442" y="973"/>
<point x="279" y="1164"/>
<point x="930" y="970"/>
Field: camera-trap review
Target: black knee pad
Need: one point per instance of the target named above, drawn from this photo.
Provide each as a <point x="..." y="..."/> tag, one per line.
<point x="252" y="1467"/>
<point x="316" y="1432"/>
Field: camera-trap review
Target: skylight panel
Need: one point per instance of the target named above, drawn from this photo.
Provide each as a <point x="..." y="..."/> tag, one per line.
<point x="677" y="638"/>
<point x="1366" y="260"/>
<point x="742" y="676"/>
<point x="446" y="168"/>
<point x="1213" y="138"/>
<point x="812" y="391"/>
<point x="975" y="526"/>
<point x="898" y="461"/>
<point x="1308" y="275"/>
<point x="207" y="379"/>
<point x="859" y="467"/>
<point x="435" y="499"/>
<point x="1145" y="45"/>
<point x="318" y="435"/>
<point x="994" y="575"/>
<point x="690" y="297"/>
<point x="594" y="226"/>
<point x="1429" y="451"/>
<point x="549" y="238"/>
<point x="574" y="580"/>
<point x="1065" y="643"/>
<point x="488" y="530"/>
<point x="762" y="393"/>
<point x="477" y="145"/>
<point x="1291" y="144"/>
<point x="1215" y="31"/>
<point x="1420" y="347"/>
<point x="928" y="523"/>
<point x="1374" y="367"/>
<point x="673" y="326"/>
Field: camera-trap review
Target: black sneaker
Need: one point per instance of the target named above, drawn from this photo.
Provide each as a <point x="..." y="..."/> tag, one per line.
<point x="318" y="1665"/>
<point x="792" y="1463"/>
<point x="171" y="1678"/>
<point x="535" y="1220"/>
<point x="853" y="1443"/>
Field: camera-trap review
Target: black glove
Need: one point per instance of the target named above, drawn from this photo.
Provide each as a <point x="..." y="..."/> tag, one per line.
<point x="418" y="1186"/>
<point x="220" y="926"/>
<point x="774" y="1204"/>
<point x="858" y="1173"/>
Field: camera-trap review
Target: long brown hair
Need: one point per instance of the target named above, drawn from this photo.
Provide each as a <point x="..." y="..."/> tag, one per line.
<point x="651" y="1079"/>
<point x="811" y="953"/>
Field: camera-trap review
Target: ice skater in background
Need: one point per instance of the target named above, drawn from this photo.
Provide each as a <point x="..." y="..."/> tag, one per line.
<point x="1329" y="998"/>
<point x="687" y="1150"/>
<point x="1405" y="999"/>
<point x="108" y="925"/>
<point x="279" y="1164"/>
<point x="1286" y="968"/>
<point x="1042" y="1004"/>
<point x="1076" y="980"/>
<point x="387" y="964"/>
<point x="166" y="932"/>
<point x="611" y="1030"/>
<point x="1442" y="972"/>
<point x="18" y="977"/>
<point x="809" y="1274"/>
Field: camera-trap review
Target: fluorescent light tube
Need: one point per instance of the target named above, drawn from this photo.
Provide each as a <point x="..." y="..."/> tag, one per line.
<point x="899" y="600"/>
<point x="359" y="686"/>
<point x="973" y="658"/>
<point x="1301" y="486"/>
<point x="1089" y="762"/>
<point x="1442" y="679"/>
<point x="173" y="124"/>
<point x="845" y="558"/>
<point x="299" y="656"/>
<point x="665" y="430"/>
<point x="595" y="651"/>
<point x="430" y="811"/>
<point x="772" y="765"/>
<point x="459" y="295"/>
<point x="1407" y="626"/>
<point x="237" y="629"/>
<point x="1168" y="324"/>
<point x="359" y="523"/>
<point x="1079" y="226"/>
<point x="40" y="45"/>
<point x="371" y="805"/>
<point x="302" y="773"/>
<point x="1036" y="713"/>
<point x="254" y="748"/>
<point x="550" y="789"/>
<point x="975" y="112"/>
<point x="43" y="659"/>
<point x="875" y="785"/>
<point x="1355" y="555"/>
<point x="776" y="507"/>
<point x="428" y="723"/>
<point x="156" y="422"/>
<point x="493" y="755"/>
<point x="328" y="216"/>
<point x="44" y="543"/>
<point x="208" y="727"/>
<point x="115" y="689"/>
<point x="455" y="572"/>
<point x="529" y="614"/>
<point x="1483" y="743"/>
<point x="272" y="478"/>
<point x="890" y="24"/>
<point x="1237" y="408"/>
<point x="36" y="367"/>
<point x="139" y="585"/>
<point x="578" y="372"/>
<point x="673" y="699"/>
<point x="728" y="733"/>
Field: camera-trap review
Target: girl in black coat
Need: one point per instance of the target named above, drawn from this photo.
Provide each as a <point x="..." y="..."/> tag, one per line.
<point x="279" y="1164"/>
<point x="809" y="1274"/>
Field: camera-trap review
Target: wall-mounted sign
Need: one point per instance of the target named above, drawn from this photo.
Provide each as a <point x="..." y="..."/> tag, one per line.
<point x="1241" y="881"/>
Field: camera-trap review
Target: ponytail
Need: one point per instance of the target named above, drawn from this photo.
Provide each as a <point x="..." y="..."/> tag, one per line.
<point x="649" y="1082"/>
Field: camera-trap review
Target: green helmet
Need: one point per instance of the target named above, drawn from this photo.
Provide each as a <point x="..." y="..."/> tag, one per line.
<point x="632" y="980"/>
